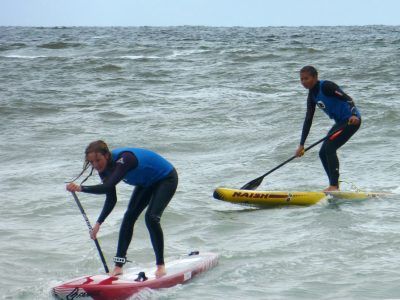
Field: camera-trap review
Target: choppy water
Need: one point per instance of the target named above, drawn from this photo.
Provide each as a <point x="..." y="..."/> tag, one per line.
<point x="224" y="105"/>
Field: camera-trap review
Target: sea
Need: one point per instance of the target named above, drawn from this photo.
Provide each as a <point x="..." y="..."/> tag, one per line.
<point x="224" y="105"/>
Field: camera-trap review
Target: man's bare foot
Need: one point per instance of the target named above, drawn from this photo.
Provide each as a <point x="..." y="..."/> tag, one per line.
<point x="331" y="188"/>
<point x="160" y="271"/>
<point x="117" y="271"/>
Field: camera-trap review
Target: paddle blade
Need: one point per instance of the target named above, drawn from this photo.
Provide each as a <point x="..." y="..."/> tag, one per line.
<point x="252" y="185"/>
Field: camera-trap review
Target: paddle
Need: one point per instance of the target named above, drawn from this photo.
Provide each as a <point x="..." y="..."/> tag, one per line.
<point x="252" y="185"/>
<point x="90" y="228"/>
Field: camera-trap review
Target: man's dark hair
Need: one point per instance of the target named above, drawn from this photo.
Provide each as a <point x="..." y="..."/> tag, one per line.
<point x="310" y="70"/>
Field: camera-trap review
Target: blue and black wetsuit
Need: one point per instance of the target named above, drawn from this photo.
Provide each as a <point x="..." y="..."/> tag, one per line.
<point x="339" y="107"/>
<point x="155" y="181"/>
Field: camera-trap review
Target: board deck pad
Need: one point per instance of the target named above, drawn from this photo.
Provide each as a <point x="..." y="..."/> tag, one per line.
<point x="102" y="287"/>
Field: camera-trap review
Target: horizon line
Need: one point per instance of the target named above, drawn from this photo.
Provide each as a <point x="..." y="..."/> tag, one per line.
<point x="213" y="26"/>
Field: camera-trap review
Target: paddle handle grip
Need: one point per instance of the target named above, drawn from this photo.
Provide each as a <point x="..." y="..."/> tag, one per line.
<point x="103" y="260"/>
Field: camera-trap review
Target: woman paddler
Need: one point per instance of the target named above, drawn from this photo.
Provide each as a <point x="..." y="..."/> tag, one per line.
<point x="155" y="180"/>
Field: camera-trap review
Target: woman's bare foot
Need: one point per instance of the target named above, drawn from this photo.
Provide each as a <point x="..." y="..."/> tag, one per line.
<point x="117" y="271"/>
<point x="331" y="188"/>
<point x="160" y="271"/>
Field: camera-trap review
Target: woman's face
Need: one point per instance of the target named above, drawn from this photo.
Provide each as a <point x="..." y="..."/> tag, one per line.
<point x="98" y="161"/>
<point x="308" y="80"/>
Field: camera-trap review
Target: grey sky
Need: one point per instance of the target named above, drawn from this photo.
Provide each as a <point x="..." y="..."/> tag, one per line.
<point x="198" y="12"/>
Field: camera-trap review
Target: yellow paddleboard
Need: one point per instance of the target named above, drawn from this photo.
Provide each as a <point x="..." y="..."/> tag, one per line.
<point x="273" y="198"/>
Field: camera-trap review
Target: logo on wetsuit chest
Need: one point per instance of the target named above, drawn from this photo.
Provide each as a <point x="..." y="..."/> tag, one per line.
<point x="321" y="105"/>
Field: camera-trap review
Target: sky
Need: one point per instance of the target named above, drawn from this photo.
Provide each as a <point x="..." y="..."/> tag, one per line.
<point x="249" y="13"/>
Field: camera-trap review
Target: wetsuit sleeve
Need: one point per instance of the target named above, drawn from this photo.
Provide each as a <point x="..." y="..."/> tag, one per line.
<point x="308" y="119"/>
<point x="331" y="89"/>
<point x="111" y="200"/>
<point x="125" y="163"/>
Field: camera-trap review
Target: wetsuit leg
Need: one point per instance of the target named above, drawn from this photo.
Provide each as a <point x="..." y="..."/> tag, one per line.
<point x="328" y="154"/>
<point x="139" y="200"/>
<point x="163" y="191"/>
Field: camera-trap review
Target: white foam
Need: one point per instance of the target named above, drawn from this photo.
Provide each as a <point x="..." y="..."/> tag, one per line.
<point x="25" y="56"/>
<point x="396" y="190"/>
<point x="135" y="57"/>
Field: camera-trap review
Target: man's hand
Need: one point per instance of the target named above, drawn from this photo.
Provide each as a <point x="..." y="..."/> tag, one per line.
<point x="354" y="120"/>
<point x="300" y="151"/>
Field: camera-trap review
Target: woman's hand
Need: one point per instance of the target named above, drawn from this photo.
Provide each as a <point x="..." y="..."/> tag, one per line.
<point x="354" y="120"/>
<point x="300" y="151"/>
<point x="94" y="231"/>
<point x="73" y="187"/>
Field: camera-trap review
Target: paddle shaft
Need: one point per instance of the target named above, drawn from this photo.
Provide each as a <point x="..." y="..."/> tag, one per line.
<point x="256" y="182"/>
<point x="294" y="156"/>
<point x="103" y="260"/>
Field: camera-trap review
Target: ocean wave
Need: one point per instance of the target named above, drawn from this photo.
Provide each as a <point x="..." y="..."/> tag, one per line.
<point x="139" y="57"/>
<point x="108" y="68"/>
<point x="256" y="57"/>
<point x="24" y="56"/>
<point x="12" y="46"/>
<point x="59" y="45"/>
<point x="111" y="116"/>
<point x="300" y="49"/>
<point x="188" y="52"/>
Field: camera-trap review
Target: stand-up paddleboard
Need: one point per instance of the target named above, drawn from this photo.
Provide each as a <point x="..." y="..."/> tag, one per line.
<point x="104" y="287"/>
<point x="276" y="198"/>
